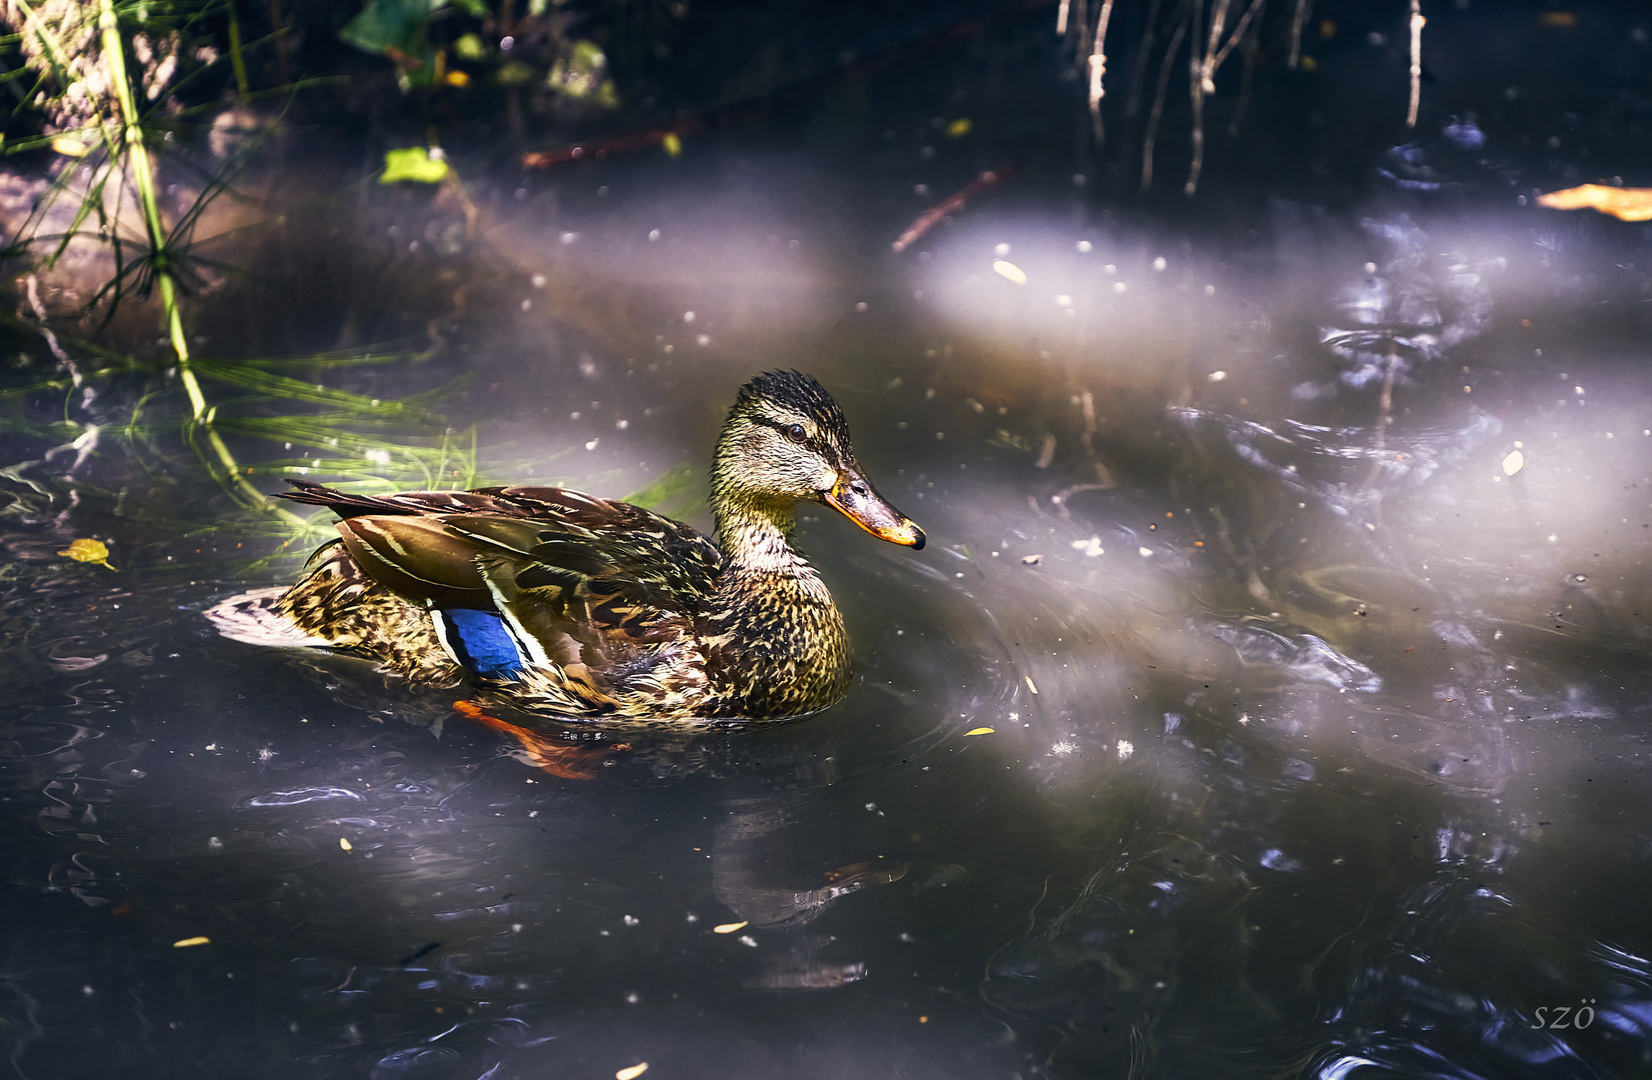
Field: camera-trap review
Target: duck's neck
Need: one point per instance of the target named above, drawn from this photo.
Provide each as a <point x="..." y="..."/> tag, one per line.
<point x="756" y="537"/>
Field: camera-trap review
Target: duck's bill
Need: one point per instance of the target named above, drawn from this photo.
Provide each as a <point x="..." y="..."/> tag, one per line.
<point x="855" y="498"/>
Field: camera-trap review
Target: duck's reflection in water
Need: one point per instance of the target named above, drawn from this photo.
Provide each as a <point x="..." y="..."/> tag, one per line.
<point x="754" y="848"/>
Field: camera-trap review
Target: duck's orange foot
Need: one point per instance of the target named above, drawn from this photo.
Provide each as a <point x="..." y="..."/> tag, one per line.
<point x="570" y="761"/>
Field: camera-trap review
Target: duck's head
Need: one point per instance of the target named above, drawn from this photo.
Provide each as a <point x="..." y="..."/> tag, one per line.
<point x="786" y="441"/>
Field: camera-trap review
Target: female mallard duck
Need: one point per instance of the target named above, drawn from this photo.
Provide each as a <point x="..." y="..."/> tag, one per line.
<point x="573" y="605"/>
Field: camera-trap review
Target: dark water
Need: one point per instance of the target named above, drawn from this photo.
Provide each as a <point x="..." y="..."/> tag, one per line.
<point x="1318" y="726"/>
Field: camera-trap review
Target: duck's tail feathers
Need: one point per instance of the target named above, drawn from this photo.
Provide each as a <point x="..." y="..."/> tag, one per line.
<point x="255" y="618"/>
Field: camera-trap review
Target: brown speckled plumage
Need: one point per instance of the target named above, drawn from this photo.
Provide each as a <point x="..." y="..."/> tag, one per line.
<point x="622" y="614"/>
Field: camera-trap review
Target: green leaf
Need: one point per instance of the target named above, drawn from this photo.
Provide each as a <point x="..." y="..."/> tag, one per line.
<point x="390" y="24"/>
<point x="470" y="47"/>
<point x="477" y="8"/>
<point x="583" y="74"/>
<point x="668" y="487"/>
<point x="412" y="163"/>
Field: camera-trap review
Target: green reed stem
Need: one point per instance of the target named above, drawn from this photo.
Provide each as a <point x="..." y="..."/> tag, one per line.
<point x="137" y="151"/>
<point x="241" y="84"/>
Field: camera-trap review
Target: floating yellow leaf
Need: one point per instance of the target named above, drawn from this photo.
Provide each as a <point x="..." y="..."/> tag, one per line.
<point x="1030" y="684"/>
<point x="979" y="731"/>
<point x="1626" y="204"/>
<point x="958" y="128"/>
<point x="92" y="551"/>
<point x="457" y="78"/>
<point x="1005" y="268"/>
<point x="1513" y="463"/>
<point x="673" y="145"/>
<point x="69" y="146"/>
<point x="413" y="163"/>
<point x="189" y="941"/>
<point x="345" y="844"/>
<point x="633" y="1072"/>
<point x="727" y="928"/>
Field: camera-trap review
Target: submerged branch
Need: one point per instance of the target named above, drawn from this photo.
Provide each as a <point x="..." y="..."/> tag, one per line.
<point x="951" y="205"/>
<point x="1417" y="22"/>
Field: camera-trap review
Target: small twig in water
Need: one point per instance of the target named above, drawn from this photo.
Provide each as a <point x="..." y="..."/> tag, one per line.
<point x="1417" y="22"/>
<point x="618" y="144"/>
<point x="1153" y="116"/>
<point x="950" y="205"/>
<point x="1303" y="7"/>
<point x="1098" y="66"/>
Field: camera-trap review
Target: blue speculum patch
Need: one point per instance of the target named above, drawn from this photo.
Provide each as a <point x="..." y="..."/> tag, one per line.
<point x="482" y="643"/>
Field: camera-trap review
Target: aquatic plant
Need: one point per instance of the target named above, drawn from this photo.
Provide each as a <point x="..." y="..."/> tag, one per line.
<point x="104" y="99"/>
<point x="1213" y="30"/>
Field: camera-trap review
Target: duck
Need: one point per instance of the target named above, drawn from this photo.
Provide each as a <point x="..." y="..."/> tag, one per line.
<point x="564" y="604"/>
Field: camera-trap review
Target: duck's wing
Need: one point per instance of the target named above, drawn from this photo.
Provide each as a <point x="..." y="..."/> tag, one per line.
<point x="504" y="501"/>
<point x="610" y="587"/>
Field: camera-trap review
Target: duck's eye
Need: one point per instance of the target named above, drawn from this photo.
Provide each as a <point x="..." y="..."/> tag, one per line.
<point x="795" y="433"/>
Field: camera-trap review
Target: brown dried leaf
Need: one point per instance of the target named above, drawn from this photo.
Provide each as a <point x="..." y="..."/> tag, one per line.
<point x="1626" y="204"/>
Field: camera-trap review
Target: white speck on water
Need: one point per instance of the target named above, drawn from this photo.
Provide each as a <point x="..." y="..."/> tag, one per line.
<point x="1001" y="250"/>
<point x="1091" y="547"/>
<point x="1145" y="552"/>
<point x="592" y="445"/>
<point x="1084" y="247"/>
<point x="1159" y="264"/>
<point x="653" y="236"/>
<point x="538" y="281"/>
<point x="1125" y="749"/>
<point x="861" y="306"/>
<point x="689" y="316"/>
<point x="1064" y="300"/>
<point x="1217" y="376"/>
<point x="622" y="424"/>
<point x="1210" y="290"/>
<point x="703" y="340"/>
<point x="1064" y="748"/>
<point x="1109" y="269"/>
<point x="1119" y="286"/>
<point x="568" y="237"/>
<point x="1553" y="539"/>
<point x="631" y="920"/>
<point x="748" y="941"/>
<point x="632" y="998"/>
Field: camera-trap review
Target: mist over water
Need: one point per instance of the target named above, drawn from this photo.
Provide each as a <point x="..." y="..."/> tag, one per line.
<point x="1270" y="699"/>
